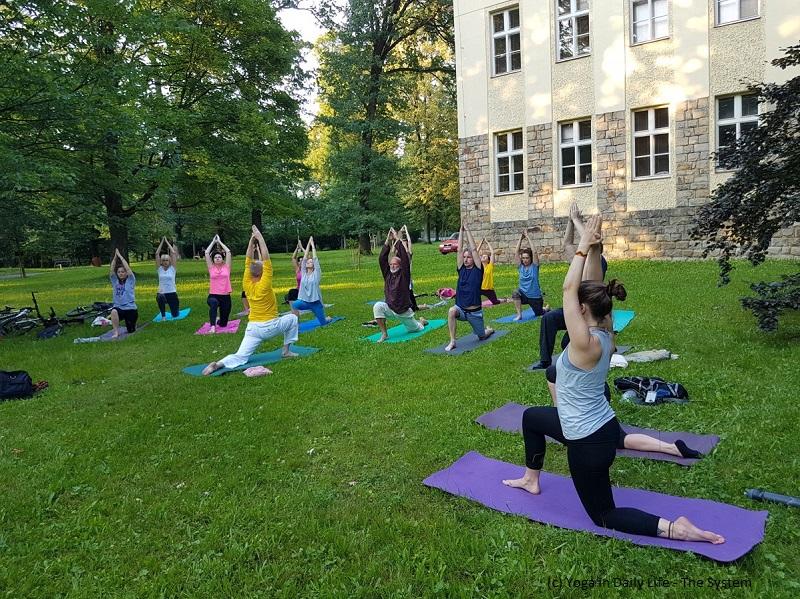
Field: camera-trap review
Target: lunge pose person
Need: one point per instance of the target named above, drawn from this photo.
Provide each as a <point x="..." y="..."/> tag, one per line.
<point x="309" y="295"/>
<point x="468" y="290"/>
<point x="123" y="282"/>
<point x="396" y="288"/>
<point x="487" y="285"/>
<point x="583" y="420"/>
<point x="167" y="291"/>
<point x="529" y="291"/>
<point x="264" y="322"/>
<point x="219" y="289"/>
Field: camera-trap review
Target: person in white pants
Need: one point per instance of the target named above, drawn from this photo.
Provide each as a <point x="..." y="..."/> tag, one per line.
<point x="264" y="322"/>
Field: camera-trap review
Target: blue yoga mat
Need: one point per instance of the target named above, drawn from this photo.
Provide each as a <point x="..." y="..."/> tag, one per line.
<point x="399" y="334"/>
<point x="310" y="325"/>
<point x="255" y="360"/>
<point x="527" y="316"/>
<point x="622" y="318"/>
<point x="181" y="315"/>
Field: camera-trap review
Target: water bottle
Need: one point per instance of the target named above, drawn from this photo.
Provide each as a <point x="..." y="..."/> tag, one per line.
<point x="630" y="395"/>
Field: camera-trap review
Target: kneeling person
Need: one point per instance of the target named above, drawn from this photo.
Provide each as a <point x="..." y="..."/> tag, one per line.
<point x="264" y="322"/>
<point x="396" y="282"/>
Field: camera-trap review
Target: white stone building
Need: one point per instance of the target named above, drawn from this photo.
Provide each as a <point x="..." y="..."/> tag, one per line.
<point x="616" y="104"/>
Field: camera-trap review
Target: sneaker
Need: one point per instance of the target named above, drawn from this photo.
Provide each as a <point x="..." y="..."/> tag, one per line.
<point x="538" y="366"/>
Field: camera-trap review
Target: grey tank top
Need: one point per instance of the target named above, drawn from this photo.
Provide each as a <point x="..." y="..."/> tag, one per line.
<point x="582" y="407"/>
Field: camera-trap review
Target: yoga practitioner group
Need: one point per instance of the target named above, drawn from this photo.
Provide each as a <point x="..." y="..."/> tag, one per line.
<point x="581" y="416"/>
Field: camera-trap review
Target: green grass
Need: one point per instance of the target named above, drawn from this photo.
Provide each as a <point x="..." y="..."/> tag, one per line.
<point x="128" y="478"/>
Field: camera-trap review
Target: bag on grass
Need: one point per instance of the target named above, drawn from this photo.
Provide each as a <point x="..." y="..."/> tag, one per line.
<point x="15" y="384"/>
<point x="652" y="390"/>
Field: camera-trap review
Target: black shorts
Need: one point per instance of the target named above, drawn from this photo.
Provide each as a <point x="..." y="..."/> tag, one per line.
<point x="129" y="317"/>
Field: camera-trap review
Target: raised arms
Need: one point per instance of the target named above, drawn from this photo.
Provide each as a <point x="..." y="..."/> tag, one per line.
<point x="460" y="255"/>
<point x="122" y="262"/>
<point x="584" y="349"/>
<point x="228" y="253"/>
<point x="476" y="258"/>
<point x="158" y="251"/>
<point x="262" y="245"/>
<point x="534" y="251"/>
<point x="207" y="253"/>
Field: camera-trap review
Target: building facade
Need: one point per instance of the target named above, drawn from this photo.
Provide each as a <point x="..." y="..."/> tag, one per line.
<point x="618" y="105"/>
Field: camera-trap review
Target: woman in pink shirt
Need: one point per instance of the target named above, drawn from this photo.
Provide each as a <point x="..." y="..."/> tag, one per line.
<point x="219" y="293"/>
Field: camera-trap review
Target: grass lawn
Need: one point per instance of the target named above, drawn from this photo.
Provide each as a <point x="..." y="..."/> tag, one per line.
<point x="128" y="478"/>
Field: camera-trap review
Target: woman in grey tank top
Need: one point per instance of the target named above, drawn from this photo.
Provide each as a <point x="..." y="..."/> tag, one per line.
<point x="584" y="421"/>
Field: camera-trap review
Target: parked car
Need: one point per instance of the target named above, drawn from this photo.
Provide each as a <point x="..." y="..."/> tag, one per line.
<point x="449" y="245"/>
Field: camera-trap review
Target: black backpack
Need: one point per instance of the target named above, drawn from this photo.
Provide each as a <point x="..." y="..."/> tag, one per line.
<point x="15" y="384"/>
<point x="659" y="389"/>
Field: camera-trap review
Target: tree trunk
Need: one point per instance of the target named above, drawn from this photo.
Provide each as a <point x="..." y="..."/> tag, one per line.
<point x="428" y="227"/>
<point x="255" y="217"/>
<point x="364" y="246"/>
<point x="117" y="222"/>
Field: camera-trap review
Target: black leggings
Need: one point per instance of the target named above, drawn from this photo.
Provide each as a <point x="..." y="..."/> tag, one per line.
<point x="168" y="298"/>
<point x="221" y="302"/>
<point x="589" y="461"/>
<point x="490" y="295"/>
<point x="552" y="322"/>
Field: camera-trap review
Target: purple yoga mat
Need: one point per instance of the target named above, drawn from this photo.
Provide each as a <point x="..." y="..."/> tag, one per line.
<point x="479" y="478"/>
<point x="508" y="418"/>
<point x="232" y="327"/>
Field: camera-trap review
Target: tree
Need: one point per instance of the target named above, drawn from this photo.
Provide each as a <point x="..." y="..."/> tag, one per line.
<point x="140" y="105"/>
<point x="361" y="67"/>
<point x="762" y="196"/>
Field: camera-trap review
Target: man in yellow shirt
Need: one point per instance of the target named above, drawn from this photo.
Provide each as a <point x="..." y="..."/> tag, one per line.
<point x="263" y="321"/>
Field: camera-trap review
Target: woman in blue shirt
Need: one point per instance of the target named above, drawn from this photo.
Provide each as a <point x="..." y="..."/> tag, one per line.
<point x="529" y="292"/>
<point x="123" y="283"/>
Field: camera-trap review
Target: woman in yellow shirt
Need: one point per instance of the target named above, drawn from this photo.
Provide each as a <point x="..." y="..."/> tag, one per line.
<point x="487" y="286"/>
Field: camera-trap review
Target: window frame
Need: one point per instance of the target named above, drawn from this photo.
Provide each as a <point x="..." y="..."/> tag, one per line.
<point x="510" y="153"/>
<point x="737" y="120"/>
<point x="650" y="133"/>
<point x="506" y="34"/>
<point x="651" y="22"/>
<point x="575" y="144"/>
<point x="573" y="17"/>
<point x="718" y="23"/>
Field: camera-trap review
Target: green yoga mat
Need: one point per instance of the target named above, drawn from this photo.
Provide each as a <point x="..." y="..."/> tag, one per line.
<point x="399" y="334"/>
<point x="255" y="360"/>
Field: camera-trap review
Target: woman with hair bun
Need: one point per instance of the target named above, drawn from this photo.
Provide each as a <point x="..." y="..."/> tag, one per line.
<point x="584" y="420"/>
<point x="219" y="288"/>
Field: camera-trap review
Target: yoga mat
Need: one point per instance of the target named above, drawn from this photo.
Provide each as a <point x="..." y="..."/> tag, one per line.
<point x="621" y="318"/>
<point x="310" y="325"/>
<point x="527" y="316"/>
<point x="479" y="478"/>
<point x="623" y="349"/>
<point x="508" y="419"/>
<point x="107" y="336"/>
<point x="255" y="360"/>
<point x="398" y="334"/>
<point x="181" y="315"/>
<point x="467" y="343"/>
<point x="233" y="326"/>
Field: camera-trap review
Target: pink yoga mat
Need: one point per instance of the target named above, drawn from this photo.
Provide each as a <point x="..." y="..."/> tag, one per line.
<point x="232" y="327"/>
<point x="479" y="478"/>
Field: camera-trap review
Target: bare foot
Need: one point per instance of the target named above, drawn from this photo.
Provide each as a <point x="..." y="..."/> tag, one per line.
<point x="518" y="317"/>
<point x="289" y="354"/>
<point x="212" y="329"/>
<point x="382" y="338"/>
<point x="450" y="346"/>
<point x="529" y="485"/>
<point x="328" y="318"/>
<point x="115" y="335"/>
<point x="211" y="368"/>
<point x="684" y="530"/>
<point x="423" y="322"/>
<point x="486" y="334"/>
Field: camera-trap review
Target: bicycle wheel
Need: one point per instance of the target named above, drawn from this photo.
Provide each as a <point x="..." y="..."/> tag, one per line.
<point x="19" y="327"/>
<point x="80" y="311"/>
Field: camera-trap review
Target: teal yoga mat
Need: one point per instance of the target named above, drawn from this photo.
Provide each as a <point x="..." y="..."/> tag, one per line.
<point x="399" y="334"/>
<point x="622" y="318"/>
<point x="255" y="360"/>
<point x="181" y="315"/>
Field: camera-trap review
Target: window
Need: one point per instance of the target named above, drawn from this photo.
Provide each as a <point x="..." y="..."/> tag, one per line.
<point x="729" y="11"/>
<point x="576" y="153"/>
<point x="505" y="41"/>
<point x="651" y="142"/>
<point x="735" y="116"/>
<point x="572" y="21"/>
<point x="509" y="159"/>
<point x="649" y="20"/>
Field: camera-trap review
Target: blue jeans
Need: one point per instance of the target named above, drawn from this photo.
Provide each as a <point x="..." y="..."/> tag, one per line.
<point x="316" y="307"/>
<point x="475" y="320"/>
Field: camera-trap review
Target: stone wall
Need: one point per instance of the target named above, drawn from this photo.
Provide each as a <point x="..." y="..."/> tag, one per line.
<point x="627" y="234"/>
